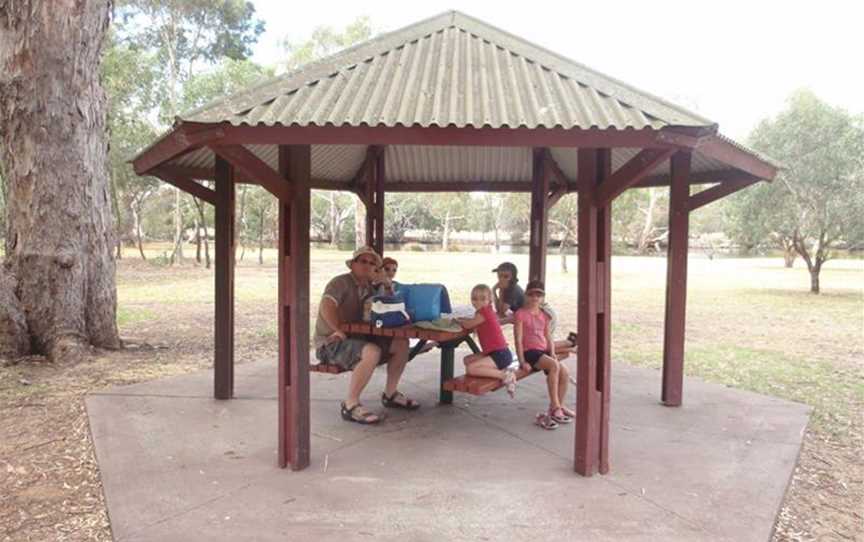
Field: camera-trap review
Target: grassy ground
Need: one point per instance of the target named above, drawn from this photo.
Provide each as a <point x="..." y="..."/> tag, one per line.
<point x="751" y="324"/>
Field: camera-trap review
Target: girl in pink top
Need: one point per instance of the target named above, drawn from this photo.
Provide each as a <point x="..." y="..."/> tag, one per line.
<point x="535" y="349"/>
<point x="496" y="359"/>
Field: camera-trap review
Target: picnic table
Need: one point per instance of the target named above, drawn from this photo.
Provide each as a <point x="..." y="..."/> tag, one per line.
<point x="447" y="341"/>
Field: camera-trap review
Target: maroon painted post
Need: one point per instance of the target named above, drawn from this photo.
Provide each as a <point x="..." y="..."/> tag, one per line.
<point x="380" y="176"/>
<point x="539" y="218"/>
<point x="676" y="280"/>
<point x="223" y="363"/>
<point x="593" y="374"/>
<point x="375" y="201"/>
<point x="294" y="430"/>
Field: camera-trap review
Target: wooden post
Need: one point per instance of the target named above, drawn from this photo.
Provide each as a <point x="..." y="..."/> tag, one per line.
<point x="380" y="175"/>
<point x="676" y="280"/>
<point x="223" y="365"/>
<point x="375" y="176"/>
<point x="539" y="218"/>
<point x="294" y="439"/>
<point x="593" y="375"/>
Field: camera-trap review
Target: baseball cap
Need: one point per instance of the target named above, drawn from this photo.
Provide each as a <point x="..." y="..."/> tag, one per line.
<point x="367" y="250"/>
<point x="506" y="266"/>
<point x="535" y="286"/>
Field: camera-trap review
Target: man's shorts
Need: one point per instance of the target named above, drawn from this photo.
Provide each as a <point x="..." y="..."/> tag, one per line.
<point x="346" y="353"/>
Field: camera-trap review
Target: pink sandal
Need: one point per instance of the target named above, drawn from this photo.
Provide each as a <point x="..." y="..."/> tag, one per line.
<point x="510" y="383"/>
<point x="544" y="421"/>
<point x="560" y="416"/>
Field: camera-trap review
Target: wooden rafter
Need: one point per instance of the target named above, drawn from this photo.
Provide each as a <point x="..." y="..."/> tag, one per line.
<point x="718" y="191"/>
<point x="253" y="167"/>
<point x="187" y="185"/>
<point x="183" y="139"/>
<point x="630" y="173"/>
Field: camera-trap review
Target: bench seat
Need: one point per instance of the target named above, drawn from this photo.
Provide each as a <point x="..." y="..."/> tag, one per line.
<point x="478" y="385"/>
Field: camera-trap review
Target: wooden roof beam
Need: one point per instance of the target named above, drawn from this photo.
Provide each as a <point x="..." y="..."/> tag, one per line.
<point x="629" y="174"/>
<point x="179" y="141"/>
<point x="254" y="168"/>
<point x="712" y="194"/>
<point x="186" y="184"/>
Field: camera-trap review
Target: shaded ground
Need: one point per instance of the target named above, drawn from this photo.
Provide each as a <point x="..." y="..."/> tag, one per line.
<point x="751" y="324"/>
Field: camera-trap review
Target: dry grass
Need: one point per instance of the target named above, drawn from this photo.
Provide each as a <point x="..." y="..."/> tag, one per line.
<point x="751" y="324"/>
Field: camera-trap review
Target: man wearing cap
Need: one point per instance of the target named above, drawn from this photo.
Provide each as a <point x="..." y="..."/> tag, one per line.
<point x="343" y="302"/>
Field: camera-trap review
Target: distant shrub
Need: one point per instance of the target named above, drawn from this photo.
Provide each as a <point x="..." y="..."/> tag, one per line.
<point x="414" y="247"/>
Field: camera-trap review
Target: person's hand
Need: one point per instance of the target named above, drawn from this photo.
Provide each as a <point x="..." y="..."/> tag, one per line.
<point x="525" y="367"/>
<point x="336" y="337"/>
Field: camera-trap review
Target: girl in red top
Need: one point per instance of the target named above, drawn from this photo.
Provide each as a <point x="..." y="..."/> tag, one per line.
<point x="535" y="349"/>
<point x="496" y="359"/>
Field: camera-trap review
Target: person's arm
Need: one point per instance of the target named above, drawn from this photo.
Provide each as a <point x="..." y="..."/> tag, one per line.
<point x="500" y="305"/>
<point x="520" y="350"/>
<point x="330" y="313"/>
<point x="471" y="323"/>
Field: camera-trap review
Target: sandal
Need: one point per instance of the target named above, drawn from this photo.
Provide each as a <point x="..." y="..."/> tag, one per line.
<point x="510" y="383"/>
<point x="544" y="421"/>
<point x="391" y="402"/>
<point x="359" y="414"/>
<point x="559" y="416"/>
<point x="567" y="412"/>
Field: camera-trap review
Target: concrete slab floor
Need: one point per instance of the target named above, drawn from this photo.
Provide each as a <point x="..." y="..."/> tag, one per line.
<point x="178" y="465"/>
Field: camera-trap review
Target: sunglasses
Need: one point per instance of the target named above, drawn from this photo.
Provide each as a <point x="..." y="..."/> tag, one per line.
<point x="535" y="294"/>
<point x="366" y="262"/>
<point x="389" y="269"/>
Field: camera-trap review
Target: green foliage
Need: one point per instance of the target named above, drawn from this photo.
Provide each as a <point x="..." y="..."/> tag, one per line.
<point x="817" y="198"/>
<point x="228" y="77"/>
<point x="325" y="41"/>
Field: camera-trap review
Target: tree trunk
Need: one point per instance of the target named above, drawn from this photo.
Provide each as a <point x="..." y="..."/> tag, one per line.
<point x="54" y="151"/>
<point x="814" y="280"/>
<point x="789" y="254"/>
<point x="564" y="239"/>
<point x="648" y="226"/>
<point x="261" y="238"/>
<point x="241" y="235"/>
<point x="177" y="254"/>
<point x="136" y="217"/>
<point x="334" y="222"/>
<point x="197" y="238"/>
<point x="445" y="241"/>
<point x="359" y="223"/>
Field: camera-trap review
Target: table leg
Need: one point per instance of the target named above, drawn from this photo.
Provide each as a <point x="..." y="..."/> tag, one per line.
<point x="447" y="357"/>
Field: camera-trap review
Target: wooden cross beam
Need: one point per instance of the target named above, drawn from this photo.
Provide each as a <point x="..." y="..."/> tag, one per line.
<point x="717" y="191"/>
<point x="178" y="142"/>
<point x="357" y="184"/>
<point x="630" y="173"/>
<point x="254" y="168"/>
<point x="187" y="185"/>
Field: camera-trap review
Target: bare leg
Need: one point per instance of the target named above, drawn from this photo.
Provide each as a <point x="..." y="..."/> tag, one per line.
<point x="551" y="365"/>
<point x="396" y="365"/>
<point x="563" y="380"/>
<point x="484" y="367"/>
<point x="369" y="358"/>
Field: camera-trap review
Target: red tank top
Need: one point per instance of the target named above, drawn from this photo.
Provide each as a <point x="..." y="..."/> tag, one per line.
<point x="489" y="332"/>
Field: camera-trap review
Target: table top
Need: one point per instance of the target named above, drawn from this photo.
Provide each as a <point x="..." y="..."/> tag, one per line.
<point x="408" y="332"/>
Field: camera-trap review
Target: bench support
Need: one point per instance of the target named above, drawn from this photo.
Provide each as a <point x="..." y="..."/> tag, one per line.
<point x="448" y="355"/>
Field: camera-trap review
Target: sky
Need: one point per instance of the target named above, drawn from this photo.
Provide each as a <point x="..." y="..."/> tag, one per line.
<point x="735" y="62"/>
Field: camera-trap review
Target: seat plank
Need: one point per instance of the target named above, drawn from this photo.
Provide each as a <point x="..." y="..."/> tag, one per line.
<point x="477" y="385"/>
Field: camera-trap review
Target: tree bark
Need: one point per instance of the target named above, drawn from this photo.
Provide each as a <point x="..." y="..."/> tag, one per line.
<point x="54" y="149"/>
<point x="334" y="222"/>
<point x="359" y="223"/>
<point x="789" y="256"/>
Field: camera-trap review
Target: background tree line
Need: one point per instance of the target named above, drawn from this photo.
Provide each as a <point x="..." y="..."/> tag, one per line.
<point x="166" y="57"/>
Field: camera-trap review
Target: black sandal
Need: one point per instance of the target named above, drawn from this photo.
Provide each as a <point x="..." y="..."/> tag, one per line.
<point x="390" y="402"/>
<point x="363" y="417"/>
<point x="572" y="337"/>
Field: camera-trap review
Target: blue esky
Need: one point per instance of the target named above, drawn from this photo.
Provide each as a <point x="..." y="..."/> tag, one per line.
<point x="733" y="61"/>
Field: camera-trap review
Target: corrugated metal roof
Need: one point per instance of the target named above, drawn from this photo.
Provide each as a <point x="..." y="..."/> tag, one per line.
<point x="451" y="70"/>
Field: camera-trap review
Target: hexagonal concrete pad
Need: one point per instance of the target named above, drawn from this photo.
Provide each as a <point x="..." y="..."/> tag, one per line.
<point x="178" y="465"/>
